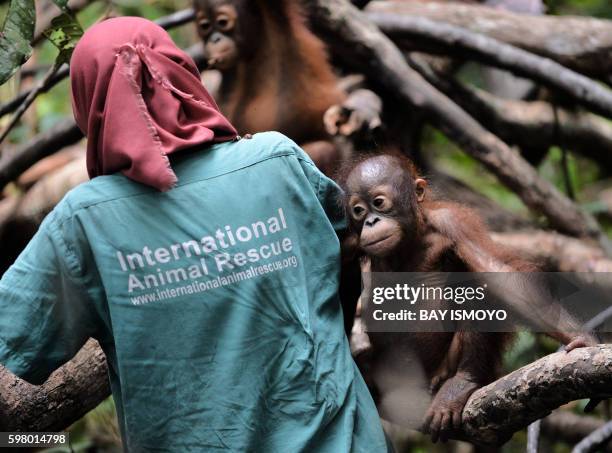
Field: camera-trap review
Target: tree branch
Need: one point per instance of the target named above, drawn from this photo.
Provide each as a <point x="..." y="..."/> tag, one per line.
<point x="595" y="440"/>
<point x="529" y="125"/>
<point x="39" y="88"/>
<point x="496" y="411"/>
<point x="176" y="19"/>
<point x="572" y="428"/>
<point x="464" y="43"/>
<point x="63" y="134"/>
<point x="583" y="44"/>
<point x="69" y="393"/>
<point x="13" y="104"/>
<point x="532" y="124"/>
<point x="366" y="49"/>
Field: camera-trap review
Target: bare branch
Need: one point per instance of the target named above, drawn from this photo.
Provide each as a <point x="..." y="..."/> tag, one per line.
<point x="495" y="412"/>
<point x="365" y="48"/>
<point x="572" y="428"/>
<point x="63" y="134"/>
<point x="13" y="104"/>
<point x="39" y="88"/>
<point x="70" y="392"/>
<point x="176" y="19"/>
<point x="596" y="439"/>
<point x="529" y="125"/>
<point x="583" y="44"/>
<point x="464" y="43"/>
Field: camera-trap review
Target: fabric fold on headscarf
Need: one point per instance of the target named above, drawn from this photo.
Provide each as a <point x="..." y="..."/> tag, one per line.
<point x="137" y="97"/>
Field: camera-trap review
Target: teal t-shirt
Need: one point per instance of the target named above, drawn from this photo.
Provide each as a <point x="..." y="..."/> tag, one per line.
<point x="216" y="304"/>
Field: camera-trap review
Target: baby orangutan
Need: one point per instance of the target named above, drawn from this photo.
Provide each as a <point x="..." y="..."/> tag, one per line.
<point x="397" y="228"/>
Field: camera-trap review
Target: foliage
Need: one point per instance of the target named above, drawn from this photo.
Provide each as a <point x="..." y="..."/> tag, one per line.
<point x="18" y="32"/>
<point x="15" y="37"/>
<point x="64" y="33"/>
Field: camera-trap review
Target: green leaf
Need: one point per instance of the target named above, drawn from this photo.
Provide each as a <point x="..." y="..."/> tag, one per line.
<point x="64" y="33"/>
<point x="15" y="37"/>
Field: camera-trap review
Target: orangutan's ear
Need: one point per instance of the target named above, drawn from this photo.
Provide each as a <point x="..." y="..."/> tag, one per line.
<point x="420" y="184"/>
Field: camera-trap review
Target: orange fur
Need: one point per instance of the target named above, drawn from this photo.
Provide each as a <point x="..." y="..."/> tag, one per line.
<point x="289" y="84"/>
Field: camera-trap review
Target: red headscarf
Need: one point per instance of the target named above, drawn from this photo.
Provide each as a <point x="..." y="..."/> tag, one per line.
<point x="137" y="97"/>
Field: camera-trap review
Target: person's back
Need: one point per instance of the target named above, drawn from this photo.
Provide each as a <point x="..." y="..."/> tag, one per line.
<point x="215" y="302"/>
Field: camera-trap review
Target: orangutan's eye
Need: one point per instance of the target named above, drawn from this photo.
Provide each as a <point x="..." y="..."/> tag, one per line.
<point x="204" y="25"/>
<point x="358" y="212"/>
<point x="224" y="23"/>
<point x="381" y="203"/>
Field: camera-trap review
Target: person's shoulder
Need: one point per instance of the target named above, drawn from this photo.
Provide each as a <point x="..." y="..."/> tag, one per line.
<point x="98" y="190"/>
<point x="226" y="158"/>
<point x="261" y="152"/>
<point x="247" y="153"/>
<point x="270" y="144"/>
<point x="270" y="139"/>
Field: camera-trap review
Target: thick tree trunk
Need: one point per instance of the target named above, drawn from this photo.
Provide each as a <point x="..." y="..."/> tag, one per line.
<point x="495" y="412"/>
<point x="69" y="393"/>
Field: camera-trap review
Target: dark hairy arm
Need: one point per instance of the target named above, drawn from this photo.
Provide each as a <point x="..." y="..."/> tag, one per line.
<point x="522" y="289"/>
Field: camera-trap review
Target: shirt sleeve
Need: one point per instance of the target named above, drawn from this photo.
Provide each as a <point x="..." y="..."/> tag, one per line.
<point x="328" y="192"/>
<point x="44" y="318"/>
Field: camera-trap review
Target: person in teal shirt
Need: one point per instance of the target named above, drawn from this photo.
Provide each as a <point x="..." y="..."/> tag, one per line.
<point x="209" y="276"/>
